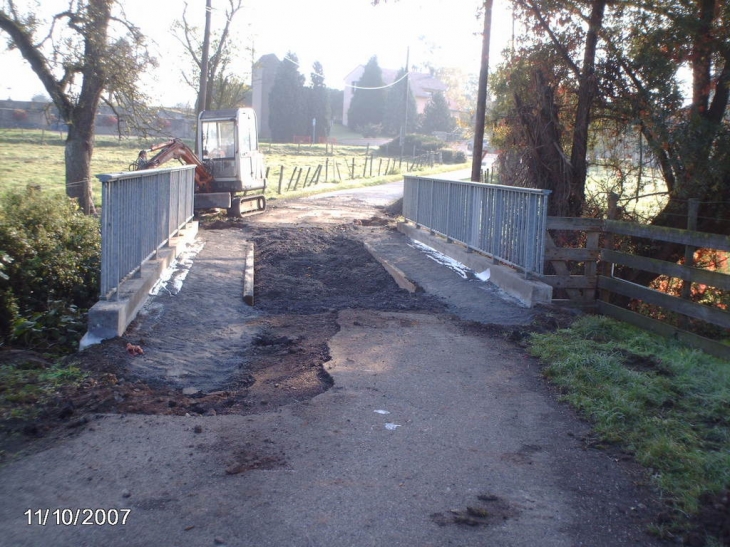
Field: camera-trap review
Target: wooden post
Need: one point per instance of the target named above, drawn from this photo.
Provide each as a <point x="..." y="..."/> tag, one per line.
<point x="281" y="176"/>
<point x="294" y="172"/>
<point x="693" y="206"/>
<point x="607" y="267"/>
<point x="353" y="169"/>
<point x="298" y="177"/>
<point x="365" y="167"/>
<point x="306" y="177"/>
<point x="326" y="168"/>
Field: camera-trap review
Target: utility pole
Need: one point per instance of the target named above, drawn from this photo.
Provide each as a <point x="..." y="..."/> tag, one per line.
<point x="404" y="131"/>
<point x="203" y="91"/>
<point x="476" y="165"/>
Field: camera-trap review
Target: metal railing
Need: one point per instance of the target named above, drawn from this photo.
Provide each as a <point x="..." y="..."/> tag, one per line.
<point x="141" y="211"/>
<point x="504" y="222"/>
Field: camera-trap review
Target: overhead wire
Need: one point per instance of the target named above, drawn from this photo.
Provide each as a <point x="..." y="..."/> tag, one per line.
<point x="386" y="86"/>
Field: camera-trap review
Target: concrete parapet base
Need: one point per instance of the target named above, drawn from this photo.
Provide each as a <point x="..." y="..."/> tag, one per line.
<point x="110" y="318"/>
<point x="528" y="291"/>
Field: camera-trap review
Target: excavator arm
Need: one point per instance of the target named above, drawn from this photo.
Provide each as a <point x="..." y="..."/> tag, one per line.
<point x="176" y="149"/>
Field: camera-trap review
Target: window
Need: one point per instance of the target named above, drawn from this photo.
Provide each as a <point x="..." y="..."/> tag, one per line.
<point x="218" y="140"/>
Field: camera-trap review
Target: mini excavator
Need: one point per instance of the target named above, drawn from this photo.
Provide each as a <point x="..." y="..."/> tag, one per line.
<point x="230" y="174"/>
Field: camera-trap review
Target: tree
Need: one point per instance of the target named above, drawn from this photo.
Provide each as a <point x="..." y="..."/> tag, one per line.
<point x="286" y="116"/>
<point x="687" y="128"/>
<point x="368" y="101"/>
<point x="218" y="62"/>
<point x="437" y="116"/>
<point x="396" y="104"/>
<point x="77" y="56"/>
<point x="641" y="47"/>
<point x="462" y="93"/>
<point x="228" y="91"/>
<point x="561" y="57"/>
<point x="319" y="102"/>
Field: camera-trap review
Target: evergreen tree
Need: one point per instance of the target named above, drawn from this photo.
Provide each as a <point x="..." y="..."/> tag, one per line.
<point x="437" y="116"/>
<point x="368" y="101"/>
<point x="395" y="107"/>
<point x="286" y="101"/>
<point x="319" y="102"/>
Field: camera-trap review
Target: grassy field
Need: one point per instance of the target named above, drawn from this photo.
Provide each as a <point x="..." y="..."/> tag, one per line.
<point x="34" y="157"/>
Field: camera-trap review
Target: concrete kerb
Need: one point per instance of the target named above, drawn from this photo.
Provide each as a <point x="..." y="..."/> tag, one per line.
<point x="108" y="319"/>
<point x="395" y="272"/>
<point x="528" y="291"/>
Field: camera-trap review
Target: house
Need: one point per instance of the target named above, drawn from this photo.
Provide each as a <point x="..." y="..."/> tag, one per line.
<point x="422" y="85"/>
<point x="264" y="73"/>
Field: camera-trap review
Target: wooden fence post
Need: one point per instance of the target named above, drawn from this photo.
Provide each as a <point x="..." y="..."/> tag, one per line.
<point x="607" y="267"/>
<point x="296" y="182"/>
<point x="693" y="206"/>
<point x="281" y="176"/>
<point x="317" y="173"/>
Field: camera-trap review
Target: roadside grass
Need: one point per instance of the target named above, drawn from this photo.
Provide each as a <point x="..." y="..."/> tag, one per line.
<point x="27" y="384"/>
<point x="665" y="403"/>
<point x="35" y="157"/>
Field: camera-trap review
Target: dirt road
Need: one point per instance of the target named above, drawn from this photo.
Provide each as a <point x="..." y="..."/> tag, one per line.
<point x="340" y="410"/>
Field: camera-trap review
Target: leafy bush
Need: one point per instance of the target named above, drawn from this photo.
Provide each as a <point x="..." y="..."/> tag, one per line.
<point x="50" y="269"/>
<point x="453" y="156"/>
<point x="420" y="143"/>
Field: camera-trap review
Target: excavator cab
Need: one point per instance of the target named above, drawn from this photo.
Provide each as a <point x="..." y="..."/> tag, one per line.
<point x="229" y="148"/>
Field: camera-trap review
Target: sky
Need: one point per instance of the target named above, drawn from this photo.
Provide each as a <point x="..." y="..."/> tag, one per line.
<point x="340" y="34"/>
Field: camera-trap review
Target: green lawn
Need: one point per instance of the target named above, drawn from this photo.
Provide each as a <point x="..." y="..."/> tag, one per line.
<point x="35" y="157"/>
<point x="663" y="402"/>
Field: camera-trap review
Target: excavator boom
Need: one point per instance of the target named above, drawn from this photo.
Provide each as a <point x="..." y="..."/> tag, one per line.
<point x="175" y="149"/>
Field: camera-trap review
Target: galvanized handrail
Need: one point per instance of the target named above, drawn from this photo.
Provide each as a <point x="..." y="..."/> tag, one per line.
<point x="504" y="222"/>
<point x="141" y="211"/>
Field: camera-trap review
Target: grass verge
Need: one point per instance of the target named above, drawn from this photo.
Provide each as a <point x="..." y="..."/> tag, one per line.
<point x="28" y="382"/>
<point x="665" y="403"/>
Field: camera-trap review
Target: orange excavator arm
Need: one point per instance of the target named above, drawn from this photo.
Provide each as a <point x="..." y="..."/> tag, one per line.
<point x="176" y="149"/>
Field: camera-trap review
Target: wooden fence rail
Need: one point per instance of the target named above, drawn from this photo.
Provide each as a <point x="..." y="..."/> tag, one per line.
<point x="584" y="276"/>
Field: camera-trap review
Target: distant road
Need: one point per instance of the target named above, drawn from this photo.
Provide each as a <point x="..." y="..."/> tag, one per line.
<point x="385" y="194"/>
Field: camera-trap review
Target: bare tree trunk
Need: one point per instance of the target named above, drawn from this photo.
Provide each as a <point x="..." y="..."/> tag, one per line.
<point x="79" y="148"/>
<point x="549" y="166"/>
<point x="586" y="93"/>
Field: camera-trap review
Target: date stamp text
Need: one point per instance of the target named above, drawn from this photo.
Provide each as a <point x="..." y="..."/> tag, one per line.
<point x="77" y="517"/>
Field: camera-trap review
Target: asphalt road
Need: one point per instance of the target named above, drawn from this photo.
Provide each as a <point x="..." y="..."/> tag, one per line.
<point x="436" y="432"/>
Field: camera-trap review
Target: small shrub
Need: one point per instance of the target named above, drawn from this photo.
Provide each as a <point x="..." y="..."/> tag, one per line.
<point x="421" y="144"/>
<point x="50" y="266"/>
<point x="453" y="156"/>
<point x="370" y="130"/>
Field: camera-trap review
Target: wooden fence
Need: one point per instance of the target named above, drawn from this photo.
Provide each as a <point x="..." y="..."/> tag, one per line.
<point x="341" y="169"/>
<point x="586" y="276"/>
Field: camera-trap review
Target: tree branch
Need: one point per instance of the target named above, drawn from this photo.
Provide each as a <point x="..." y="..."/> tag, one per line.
<point x="23" y="40"/>
<point x="530" y="6"/>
